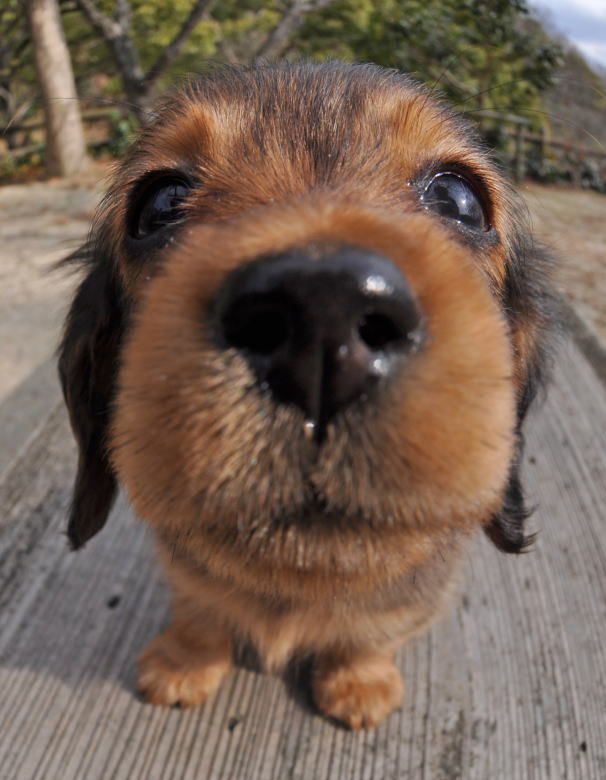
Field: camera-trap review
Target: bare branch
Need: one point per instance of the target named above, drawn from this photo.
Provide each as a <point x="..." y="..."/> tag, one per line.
<point x="137" y="84"/>
<point x="123" y="14"/>
<point x="172" y="51"/>
<point x="16" y="112"/>
<point x="108" y="27"/>
<point x="227" y="52"/>
<point x="279" y="39"/>
<point x="117" y="34"/>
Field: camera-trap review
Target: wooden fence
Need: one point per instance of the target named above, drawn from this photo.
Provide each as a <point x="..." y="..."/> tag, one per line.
<point x="523" y="150"/>
<point x="538" y="155"/>
<point x="27" y="138"/>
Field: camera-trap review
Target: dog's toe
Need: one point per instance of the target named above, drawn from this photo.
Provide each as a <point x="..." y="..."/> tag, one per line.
<point x="360" y="694"/>
<point x="170" y="675"/>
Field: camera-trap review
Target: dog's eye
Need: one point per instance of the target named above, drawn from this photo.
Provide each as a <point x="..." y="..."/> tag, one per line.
<point x="158" y="205"/>
<point x="451" y="196"/>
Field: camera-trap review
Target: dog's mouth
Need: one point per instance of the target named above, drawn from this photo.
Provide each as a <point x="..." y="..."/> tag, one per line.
<point x="318" y="513"/>
<point x="314" y="510"/>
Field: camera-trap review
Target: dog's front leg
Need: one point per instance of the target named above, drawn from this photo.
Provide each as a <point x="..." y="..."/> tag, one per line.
<point x="187" y="662"/>
<point x="358" y="687"/>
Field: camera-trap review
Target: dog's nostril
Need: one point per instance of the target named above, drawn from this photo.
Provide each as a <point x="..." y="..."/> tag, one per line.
<point x="258" y="328"/>
<point x="378" y="331"/>
<point x="319" y="327"/>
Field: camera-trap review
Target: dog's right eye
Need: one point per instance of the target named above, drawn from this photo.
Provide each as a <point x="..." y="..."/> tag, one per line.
<point x="157" y="205"/>
<point x="453" y="197"/>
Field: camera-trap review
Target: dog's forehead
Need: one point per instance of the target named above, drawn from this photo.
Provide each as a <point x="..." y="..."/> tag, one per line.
<point x="321" y="123"/>
<point x="248" y="137"/>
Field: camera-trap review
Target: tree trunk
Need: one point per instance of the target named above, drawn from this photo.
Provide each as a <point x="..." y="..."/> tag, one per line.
<point x="132" y="74"/>
<point x="65" y="145"/>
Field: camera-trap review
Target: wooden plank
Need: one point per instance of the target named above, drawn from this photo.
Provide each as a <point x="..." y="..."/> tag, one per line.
<point x="511" y="684"/>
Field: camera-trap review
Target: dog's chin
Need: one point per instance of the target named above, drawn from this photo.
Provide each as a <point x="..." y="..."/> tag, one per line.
<point x="313" y="550"/>
<point x="316" y="513"/>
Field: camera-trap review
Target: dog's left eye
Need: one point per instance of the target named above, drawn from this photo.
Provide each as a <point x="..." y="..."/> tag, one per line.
<point x="453" y="197"/>
<point x="158" y="205"/>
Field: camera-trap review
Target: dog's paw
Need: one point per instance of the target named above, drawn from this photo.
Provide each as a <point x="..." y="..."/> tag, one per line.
<point x="359" y="694"/>
<point x="171" y="674"/>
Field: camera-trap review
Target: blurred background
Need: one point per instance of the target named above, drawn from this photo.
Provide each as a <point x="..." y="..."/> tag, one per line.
<point x="78" y="77"/>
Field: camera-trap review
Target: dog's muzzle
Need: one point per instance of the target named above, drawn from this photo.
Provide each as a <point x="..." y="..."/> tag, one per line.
<point x="320" y="327"/>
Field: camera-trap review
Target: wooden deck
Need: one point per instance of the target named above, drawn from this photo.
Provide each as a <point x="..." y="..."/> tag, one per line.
<point x="511" y="685"/>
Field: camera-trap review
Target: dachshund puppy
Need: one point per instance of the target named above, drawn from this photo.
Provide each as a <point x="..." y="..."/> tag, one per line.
<point x="311" y="324"/>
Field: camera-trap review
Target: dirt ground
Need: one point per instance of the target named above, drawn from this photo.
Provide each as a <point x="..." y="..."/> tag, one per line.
<point x="39" y="223"/>
<point x="573" y="222"/>
<point x="42" y="221"/>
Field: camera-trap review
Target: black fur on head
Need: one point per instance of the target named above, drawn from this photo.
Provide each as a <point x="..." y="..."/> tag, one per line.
<point x="88" y="358"/>
<point x="530" y="303"/>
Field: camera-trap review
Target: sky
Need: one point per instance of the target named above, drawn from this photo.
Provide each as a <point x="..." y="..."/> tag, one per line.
<point x="582" y="21"/>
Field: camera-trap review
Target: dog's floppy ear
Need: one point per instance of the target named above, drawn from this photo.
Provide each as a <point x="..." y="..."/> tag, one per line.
<point x="88" y="357"/>
<point x="531" y="307"/>
<point x="506" y="528"/>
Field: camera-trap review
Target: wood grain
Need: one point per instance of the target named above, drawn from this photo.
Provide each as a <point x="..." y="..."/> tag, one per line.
<point x="511" y="685"/>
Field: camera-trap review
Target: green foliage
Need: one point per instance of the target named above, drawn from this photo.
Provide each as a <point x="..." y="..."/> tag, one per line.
<point x="469" y="47"/>
<point x="481" y="53"/>
<point x="17" y="73"/>
<point x="156" y="23"/>
<point x="122" y="131"/>
<point x="8" y="168"/>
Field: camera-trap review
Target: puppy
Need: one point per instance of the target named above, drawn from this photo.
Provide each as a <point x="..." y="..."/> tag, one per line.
<point x="311" y="324"/>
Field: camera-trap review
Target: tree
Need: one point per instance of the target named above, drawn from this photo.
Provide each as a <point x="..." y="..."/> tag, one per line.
<point x="481" y="53"/>
<point x="65" y="145"/>
<point x="236" y="31"/>
<point x="117" y="33"/>
<point x="14" y="101"/>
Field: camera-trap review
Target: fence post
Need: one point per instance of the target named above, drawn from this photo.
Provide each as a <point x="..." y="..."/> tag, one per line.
<point x="543" y="152"/>
<point x="577" y="179"/>
<point x="519" y="167"/>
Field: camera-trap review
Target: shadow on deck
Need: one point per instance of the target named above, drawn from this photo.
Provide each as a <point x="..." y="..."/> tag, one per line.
<point x="511" y="685"/>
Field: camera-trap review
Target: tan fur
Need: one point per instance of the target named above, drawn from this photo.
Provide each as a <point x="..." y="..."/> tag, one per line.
<point x="221" y="473"/>
<point x="358" y="689"/>
<point x="189" y="417"/>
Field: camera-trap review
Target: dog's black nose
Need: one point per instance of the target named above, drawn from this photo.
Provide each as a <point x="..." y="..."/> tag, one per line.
<point x="320" y="328"/>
